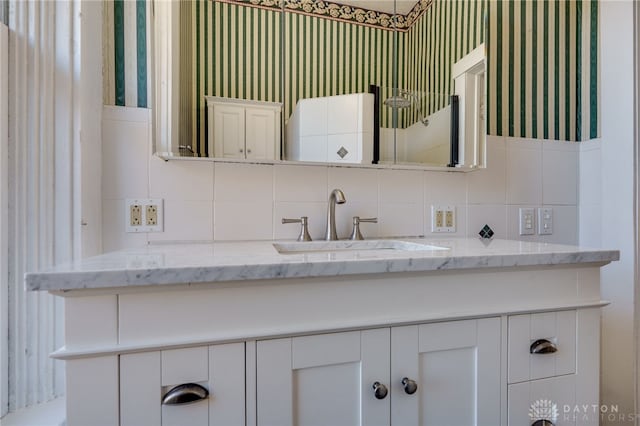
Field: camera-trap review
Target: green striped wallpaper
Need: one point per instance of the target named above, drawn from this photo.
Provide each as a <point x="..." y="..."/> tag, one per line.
<point x="543" y="69"/>
<point x="543" y="79"/>
<point x="125" y="46"/>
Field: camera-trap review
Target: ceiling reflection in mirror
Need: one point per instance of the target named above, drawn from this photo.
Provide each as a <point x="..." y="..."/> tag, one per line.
<point x="340" y="82"/>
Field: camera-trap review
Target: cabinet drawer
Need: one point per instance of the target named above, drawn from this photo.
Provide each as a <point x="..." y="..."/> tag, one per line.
<point x="146" y="378"/>
<point x="541" y="333"/>
<point x="551" y="399"/>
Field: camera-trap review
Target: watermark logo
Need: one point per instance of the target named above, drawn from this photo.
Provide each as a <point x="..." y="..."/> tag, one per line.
<point x="543" y="409"/>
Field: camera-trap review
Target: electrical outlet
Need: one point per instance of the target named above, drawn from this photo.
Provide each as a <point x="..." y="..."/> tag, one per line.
<point x="545" y="221"/>
<point x="144" y="215"/>
<point x="152" y="215"/>
<point x="448" y="221"/>
<point x="135" y="215"/>
<point x="527" y="221"/>
<point x="443" y="219"/>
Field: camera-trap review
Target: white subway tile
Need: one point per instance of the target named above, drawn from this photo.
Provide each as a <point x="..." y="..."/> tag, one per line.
<point x="186" y="220"/>
<point x="590" y="225"/>
<point x="400" y="219"/>
<point x="125" y="154"/>
<point x="113" y="225"/>
<point x="243" y="182"/>
<point x="346" y="212"/>
<point x="565" y="225"/>
<point x="590" y="175"/>
<point x="488" y="185"/>
<point x="560" y="173"/>
<point x="494" y="215"/>
<point x="445" y="188"/>
<point x="181" y="180"/>
<point x="243" y="220"/>
<point x="359" y="185"/>
<point x="524" y="172"/>
<point x="300" y="183"/>
<point x="401" y="186"/>
<point x="316" y="213"/>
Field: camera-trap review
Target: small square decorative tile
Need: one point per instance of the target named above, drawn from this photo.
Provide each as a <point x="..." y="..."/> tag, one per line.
<point x="486" y="232"/>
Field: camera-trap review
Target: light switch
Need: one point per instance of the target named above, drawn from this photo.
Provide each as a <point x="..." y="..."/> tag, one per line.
<point x="545" y="221"/>
<point x="527" y="221"/>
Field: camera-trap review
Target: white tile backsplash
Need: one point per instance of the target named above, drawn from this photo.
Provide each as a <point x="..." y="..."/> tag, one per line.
<point x="186" y="220"/>
<point x="560" y="173"/>
<point x="180" y="180"/>
<point x="494" y="215"/>
<point x="524" y="172"/>
<point x="401" y="186"/>
<point x="401" y="219"/>
<point x="300" y="183"/>
<point x="124" y="155"/>
<point x="315" y="212"/>
<point x="488" y="186"/>
<point x="230" y="201"/>
<point x="113" y="221"/>
<point x="446" y="188"/>
<point x="243" y="182"/>
<point x="344" y="218"/>
<point x="358" y="185"/>
<point x="243" y="220"/>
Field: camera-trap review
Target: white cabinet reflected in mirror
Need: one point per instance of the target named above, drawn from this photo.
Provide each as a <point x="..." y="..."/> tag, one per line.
<point x="357" y="82"/>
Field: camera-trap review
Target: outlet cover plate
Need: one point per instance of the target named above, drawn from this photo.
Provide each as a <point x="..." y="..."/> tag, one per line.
<point x="527" y="221"/>
<point x="144" y="204"/>
<point x="545" y="221"/>
<point x="443" y="219"/>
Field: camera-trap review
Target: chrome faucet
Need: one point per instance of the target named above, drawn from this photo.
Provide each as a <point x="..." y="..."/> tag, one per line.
<point x="337" y="196"/>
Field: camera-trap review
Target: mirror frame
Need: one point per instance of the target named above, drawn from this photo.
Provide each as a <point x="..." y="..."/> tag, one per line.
<point x="165" y="54"/>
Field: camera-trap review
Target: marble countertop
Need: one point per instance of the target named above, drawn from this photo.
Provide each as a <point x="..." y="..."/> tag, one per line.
<point x="166" y="264"/>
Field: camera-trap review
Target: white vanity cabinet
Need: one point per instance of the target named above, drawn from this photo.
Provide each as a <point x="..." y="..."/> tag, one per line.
<point x="436" y="374"/>
<point x="147" y="378"/>
<point x="243" y="129"/>
<point x="303" y="342"/>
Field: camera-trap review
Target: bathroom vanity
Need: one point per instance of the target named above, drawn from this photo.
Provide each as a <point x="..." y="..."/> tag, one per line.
<point x="384" y="332"/>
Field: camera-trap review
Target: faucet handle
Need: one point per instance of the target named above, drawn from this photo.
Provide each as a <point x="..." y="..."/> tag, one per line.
<point x="304" y="229"/>
<point x="355" y="233"/>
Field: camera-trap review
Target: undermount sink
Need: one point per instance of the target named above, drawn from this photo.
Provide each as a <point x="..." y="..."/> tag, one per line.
<point x="348" y="245"/>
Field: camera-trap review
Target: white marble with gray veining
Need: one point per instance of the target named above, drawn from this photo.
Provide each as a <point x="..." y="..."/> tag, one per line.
<point x="166" y="264"/>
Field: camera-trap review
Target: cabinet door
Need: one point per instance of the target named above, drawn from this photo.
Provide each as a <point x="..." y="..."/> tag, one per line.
<point x="260" y="133"/>
<point x="323" y="380"/>
<point x="228" y="131"/>
<point x="456" y="367"/>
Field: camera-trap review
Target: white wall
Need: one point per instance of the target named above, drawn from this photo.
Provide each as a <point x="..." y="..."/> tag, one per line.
<point x="617" y="202"/>
<point x="225" y="201"/>
<point x="4" y="238"/>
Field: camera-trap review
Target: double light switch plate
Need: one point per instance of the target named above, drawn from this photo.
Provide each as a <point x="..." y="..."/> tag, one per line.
<point x="527" y="221"/>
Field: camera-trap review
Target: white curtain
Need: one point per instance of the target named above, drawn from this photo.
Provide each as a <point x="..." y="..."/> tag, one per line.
<point x="53" y="131"/>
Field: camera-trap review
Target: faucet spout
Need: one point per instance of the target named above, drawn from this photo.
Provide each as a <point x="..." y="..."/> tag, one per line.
<point x="336" y="197"/>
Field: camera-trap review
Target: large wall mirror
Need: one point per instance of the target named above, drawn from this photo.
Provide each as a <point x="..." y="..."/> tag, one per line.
<point x="342" y="82"/>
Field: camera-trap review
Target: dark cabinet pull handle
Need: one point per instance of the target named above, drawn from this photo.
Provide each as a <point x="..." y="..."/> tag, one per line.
<point x="410" y="386"/>
<point x="543" y="423"/>
<point x="379" y="390"/>
<point x="543" y="346"/>
<point x="185" y="394"/>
